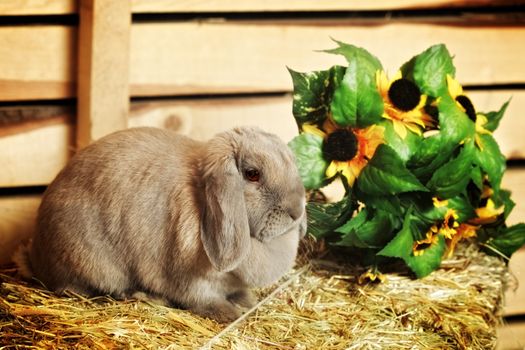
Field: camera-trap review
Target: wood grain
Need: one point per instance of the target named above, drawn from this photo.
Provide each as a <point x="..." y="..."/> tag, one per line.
<point x="17" y="222"/>
<point x="37" y="62"/>
<point x="515" y="295"/>
<point x="59" y="7"/>
<point x="103" y="74"/>
<point x="189" y="58"/>
<point x="183" y="58"/>
<point x="511" y="335"/>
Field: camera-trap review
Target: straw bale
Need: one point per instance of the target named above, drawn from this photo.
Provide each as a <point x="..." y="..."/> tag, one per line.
<point x="319" y="305"/>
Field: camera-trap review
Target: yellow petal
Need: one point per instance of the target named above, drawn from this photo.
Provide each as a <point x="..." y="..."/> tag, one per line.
<point x="332" y="169"/>
<point x="438" y="203"/>
<point x="454" y="88"/>
<point x="350" y="177"/>
<point x="400" y="129"/>
<point x="464" y="231"/>
<point x="312" y="129"/>
<point x="398" y="76"/>
<point x="481" y="120"/>
<point x="487" y="214"/>
<point x="382" y="83"/>
<point x="414" y="128"/>
<point x="371" y="275"/>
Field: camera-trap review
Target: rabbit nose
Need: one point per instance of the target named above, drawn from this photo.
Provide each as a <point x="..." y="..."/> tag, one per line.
<point x="296" y="212"/>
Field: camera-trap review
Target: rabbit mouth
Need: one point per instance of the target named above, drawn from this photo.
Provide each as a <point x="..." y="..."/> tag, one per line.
<point x="274" y="229"/>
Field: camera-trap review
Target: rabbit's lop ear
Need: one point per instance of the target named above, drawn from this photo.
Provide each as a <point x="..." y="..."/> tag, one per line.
<point x="225" y="229"/>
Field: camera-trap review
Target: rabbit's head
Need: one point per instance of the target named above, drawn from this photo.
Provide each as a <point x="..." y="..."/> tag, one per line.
<point x="252" y="189"/>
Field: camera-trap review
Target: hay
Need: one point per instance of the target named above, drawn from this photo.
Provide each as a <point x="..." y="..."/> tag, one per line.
<point x="318" y="306"/>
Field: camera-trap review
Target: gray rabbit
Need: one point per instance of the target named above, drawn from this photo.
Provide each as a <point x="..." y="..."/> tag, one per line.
<point x="148" y="212"/>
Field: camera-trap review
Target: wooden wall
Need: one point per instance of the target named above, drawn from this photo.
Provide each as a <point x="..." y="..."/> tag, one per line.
<point x="68" y="69"/>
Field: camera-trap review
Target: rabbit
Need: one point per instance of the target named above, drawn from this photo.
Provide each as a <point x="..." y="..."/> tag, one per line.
<point x="148" y="212"/>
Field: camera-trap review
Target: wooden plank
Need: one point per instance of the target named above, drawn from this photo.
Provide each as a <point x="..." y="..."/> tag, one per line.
<point x="37" y="62"/>
<point x="515" y="295"/>
<point x="35" y="156"/>
<point x="301" y="5"/>
<point x="511" y="336"/>
<point x="189" y="58"/>
<point x="201" y="58"/>
<point x="37" y="7"/>
<point x="103" y="68"/>
<point x="50" y="140"/>
<point x="59" y="7"/>
<point x="17" y="221"/>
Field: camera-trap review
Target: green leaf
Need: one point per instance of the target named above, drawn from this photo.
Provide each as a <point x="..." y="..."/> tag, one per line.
<point x="490" y="159"/>
<point x="406" y="147"/>
<point x="368" y="229"/>
<point x="433" y="152"/>
<point x="463" y="208"/>
<point x="423" y="265"/>
<point x="423" y="207"/>
<point x="509" y="240"/>
<point x="308" y="150"/>
<point x="504" y="198"/>
<point x="454" y="124"/>
<point x="495" y="117"/>
<point x="386" y="174"/>
<point x="453" y="177"/>
<point x="477" y="177"/>
<point x="323" y="219"/>
<point x="357" y="101"/>
<point x="430" y="69"/>
<point x="389" y="204"/>
<point x="313" y="93"/>
<point x="402" y="244"/>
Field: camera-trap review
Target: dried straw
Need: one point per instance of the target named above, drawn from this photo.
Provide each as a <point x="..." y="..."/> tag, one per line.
<point x="318" y="306"/>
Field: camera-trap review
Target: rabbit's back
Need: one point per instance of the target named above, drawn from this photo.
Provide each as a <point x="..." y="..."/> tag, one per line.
<point x="108" y="222"/>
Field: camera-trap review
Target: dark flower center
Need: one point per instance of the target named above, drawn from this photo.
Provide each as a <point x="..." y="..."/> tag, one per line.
<point x="465" y="102"/>
<point x="404" y="94"/>
<point x="340" y="145"/>
<point x="432" y="111"/>
<point x="423" y="246"/>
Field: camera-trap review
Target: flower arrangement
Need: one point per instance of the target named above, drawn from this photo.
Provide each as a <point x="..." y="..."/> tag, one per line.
<point x="420" y="167"/>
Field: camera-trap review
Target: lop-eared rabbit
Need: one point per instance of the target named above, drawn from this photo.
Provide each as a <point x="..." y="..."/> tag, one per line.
<point x="146" y="212"/>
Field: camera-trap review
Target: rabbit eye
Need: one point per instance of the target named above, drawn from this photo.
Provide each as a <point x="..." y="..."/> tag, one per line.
<point x="252" y="175"/>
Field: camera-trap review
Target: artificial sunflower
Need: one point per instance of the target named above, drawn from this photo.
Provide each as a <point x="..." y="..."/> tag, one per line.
<point x="448" y="228"/>
<point x="371" y="275"/>
<point x="431" y="239"/>
<point x="488" y="213"/>
<point x="347" y="149"/>
<point x="462" y="231"/>
<point x="404" y="104"/>
<point x="450" y="224"/>
<point x="465" y="104"/>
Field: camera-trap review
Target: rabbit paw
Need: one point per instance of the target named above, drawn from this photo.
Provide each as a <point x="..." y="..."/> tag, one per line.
<point x="243" y="298"/>
<point x="222" y="312"/>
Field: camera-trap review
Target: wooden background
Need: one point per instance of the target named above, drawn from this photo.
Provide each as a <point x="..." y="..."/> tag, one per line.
<point x="72" y="71"/>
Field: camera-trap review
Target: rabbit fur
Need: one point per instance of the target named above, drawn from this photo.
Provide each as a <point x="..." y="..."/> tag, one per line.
<point x="146" y="211"/>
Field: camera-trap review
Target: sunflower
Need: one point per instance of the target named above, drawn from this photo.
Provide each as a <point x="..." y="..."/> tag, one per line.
<point x="347" y="149"/>
<point x="465" y="104"/>
<point x="431" y="239"/>
<point x="371" y="275"/>
<point x="450" y="224"/>
<point x="404" y="104"/>
<point x="448" y="228"/>
<point x="463" y="231"/>
<point x="488" y="213"/>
